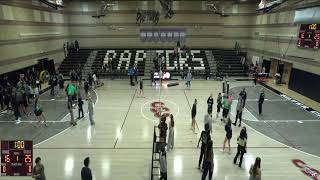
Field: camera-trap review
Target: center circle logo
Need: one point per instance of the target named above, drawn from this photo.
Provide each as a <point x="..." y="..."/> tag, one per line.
<point x="152" y="110"/>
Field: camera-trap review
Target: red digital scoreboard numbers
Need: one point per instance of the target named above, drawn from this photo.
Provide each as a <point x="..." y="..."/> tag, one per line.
<point x="309" y="36"/>
<point x="16" y="158"/>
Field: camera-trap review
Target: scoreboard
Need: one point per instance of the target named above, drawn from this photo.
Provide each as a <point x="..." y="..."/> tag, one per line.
<point x="309" y="36"/>
<point x="16" y="158"/>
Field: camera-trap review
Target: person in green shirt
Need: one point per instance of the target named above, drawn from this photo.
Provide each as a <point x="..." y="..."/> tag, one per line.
<point x="71" y="90"/>
<point x="226" y="105"/>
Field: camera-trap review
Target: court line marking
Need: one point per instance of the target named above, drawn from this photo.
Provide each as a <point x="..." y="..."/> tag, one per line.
<point x="279" y="141"/>
<point x="125" y="118"/>
<point x="69" y="126"/>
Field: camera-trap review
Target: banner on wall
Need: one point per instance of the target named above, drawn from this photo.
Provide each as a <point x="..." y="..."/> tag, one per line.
<point x="162" y="34"/>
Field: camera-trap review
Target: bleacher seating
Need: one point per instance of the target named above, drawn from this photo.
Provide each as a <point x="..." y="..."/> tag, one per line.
<point x="197" y="62"/>
<point x="229" y="62"/>
<point x="73" y="61"/>
<point x="121" y="60"/>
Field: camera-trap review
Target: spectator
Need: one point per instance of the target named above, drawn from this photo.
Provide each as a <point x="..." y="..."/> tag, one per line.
<point x="86" y="87"/>
<point x="163" y="164"/>
<point x="2" y="97"/>
<point x="86" y="173"/>
<point x="76" y="44"/>
<point x="38" y="170"/>
<point x="95" y="80"/>
<point x="6" y="99"/>
<point x="242" y="146"/>
<point x="65" y="50"/>
<point x="135" y="68"/>
<point x="255" y="171"/>
<point x="152" y="77"/>
<point x="171" y="133"/>
<point x="68" y="48"/>
<point x="61" y="85"/>
<point x="36" y="92"/>
<point x="204" y="138"/>
<point x="51" y="84"/>
<point x="130" y="73"/>
<point x="38" y="83"/>
<point x="15" y="103"/>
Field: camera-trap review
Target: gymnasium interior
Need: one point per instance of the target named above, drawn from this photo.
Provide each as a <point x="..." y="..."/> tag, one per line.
<point x="134" y="64"/>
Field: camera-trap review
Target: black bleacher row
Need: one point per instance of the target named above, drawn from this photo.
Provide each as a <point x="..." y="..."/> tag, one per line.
<point x="73" y="61"/>
<point x="229" y="62"/>
<point x="197" y="62"/>
<point x="120" y="62"/>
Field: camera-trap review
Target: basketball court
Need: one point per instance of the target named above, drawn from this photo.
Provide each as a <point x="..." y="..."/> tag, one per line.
<point x="129" y="132"/>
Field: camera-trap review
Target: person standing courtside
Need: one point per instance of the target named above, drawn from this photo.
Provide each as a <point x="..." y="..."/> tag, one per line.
<point x="210" y="103"/>
<point x="219" y="104"/>
<point x="80" y="106"/>
<point x="242" y="146"/>
<point x="228" y="137"/>
<point x="208" y="162"/>
<point x="171" y="134"/>
<point x="243" y="94"/>
<point x="86" y="173"/>
<point x="204" y="138"/>
<point x="239" y="111"/>
<point x="163" y="164"/>
<point x="193" y="116"/>
<point x="261" y="100"/>
<point x="189" y="78"/>
<point x="163" y="127"/>
<point x="38" y="170"/>
<point x="226" y="108"/>
<point x="255" y="171"/>
<point x="208" y="120"/>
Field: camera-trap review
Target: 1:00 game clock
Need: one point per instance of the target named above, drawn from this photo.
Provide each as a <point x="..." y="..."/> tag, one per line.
<point x="16" y="158"/>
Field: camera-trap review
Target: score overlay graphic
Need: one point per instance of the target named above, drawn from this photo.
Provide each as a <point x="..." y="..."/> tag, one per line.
<point x="16" y="158"/>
